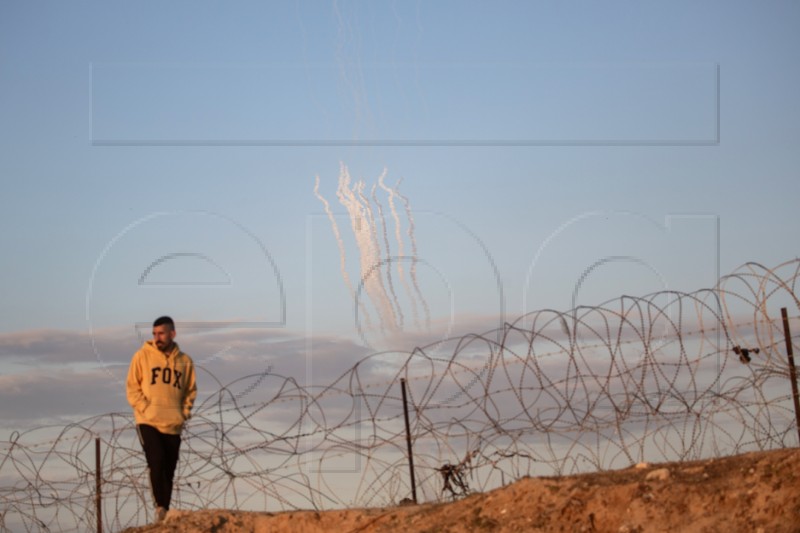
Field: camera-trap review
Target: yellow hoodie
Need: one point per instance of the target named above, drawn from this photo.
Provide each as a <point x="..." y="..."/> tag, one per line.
<point x="161" y="388"/>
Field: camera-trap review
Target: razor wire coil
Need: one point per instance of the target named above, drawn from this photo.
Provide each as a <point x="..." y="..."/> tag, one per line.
<point x="551" y="393"/>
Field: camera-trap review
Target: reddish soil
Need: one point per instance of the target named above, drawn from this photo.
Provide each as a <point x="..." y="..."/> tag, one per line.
<point x="753" y="492"/>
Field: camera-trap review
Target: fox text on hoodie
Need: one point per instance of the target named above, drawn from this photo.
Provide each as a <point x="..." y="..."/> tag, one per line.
<point x="161" y="388"/>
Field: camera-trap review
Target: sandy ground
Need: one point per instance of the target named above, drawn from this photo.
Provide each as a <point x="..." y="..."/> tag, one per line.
<point x="756" y="492"/>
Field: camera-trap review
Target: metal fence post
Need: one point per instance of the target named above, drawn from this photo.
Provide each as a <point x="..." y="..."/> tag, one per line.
<point x="98" y="475"/>
<point x="408" y="442"/>
<point x="792" y="370"/>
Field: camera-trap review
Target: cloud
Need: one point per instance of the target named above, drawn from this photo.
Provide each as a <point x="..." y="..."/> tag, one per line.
<point x="245" y="369"/>
<point x="47" y="396"/>
<point x="46" y="346"/>
<point x="58" y="376"/>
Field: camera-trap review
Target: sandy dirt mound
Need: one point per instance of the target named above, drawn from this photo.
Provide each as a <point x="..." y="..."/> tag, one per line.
<point x="754" y="492"/>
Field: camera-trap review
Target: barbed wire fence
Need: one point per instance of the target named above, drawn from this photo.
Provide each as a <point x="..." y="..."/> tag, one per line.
<point x="667" y="377"/>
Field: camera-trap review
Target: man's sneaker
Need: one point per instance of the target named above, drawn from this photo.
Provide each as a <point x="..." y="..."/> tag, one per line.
<point x="161" y="513"/>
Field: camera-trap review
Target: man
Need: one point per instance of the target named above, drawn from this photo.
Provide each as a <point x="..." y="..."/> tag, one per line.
<point x="161" y="389"/>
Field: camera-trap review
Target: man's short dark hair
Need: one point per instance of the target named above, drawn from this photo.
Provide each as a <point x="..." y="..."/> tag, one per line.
<point x="164" y="321"/>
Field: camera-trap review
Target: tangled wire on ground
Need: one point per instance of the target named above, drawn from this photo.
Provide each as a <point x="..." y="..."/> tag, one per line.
<point x="659" y="378"/>
<point x="453" y="475"/>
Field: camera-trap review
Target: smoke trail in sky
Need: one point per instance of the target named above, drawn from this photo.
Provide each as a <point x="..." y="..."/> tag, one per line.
<point x="376" y="260"/>
<point x="387" y="248"/>
<point x="399" y="237"/>
<point x="413" y="269"/>
<point x="370" y="257"/>
<point x="340" y="244"/>
<point x="372" y="279"/>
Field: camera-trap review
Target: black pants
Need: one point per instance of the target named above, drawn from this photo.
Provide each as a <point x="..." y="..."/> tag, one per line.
<point x="161" y="451"/>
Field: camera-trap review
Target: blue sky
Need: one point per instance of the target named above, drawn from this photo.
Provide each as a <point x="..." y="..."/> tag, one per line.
<point x="552" y="154"/>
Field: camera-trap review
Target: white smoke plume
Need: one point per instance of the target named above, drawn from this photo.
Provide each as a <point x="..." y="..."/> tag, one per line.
<point x="410" y="293"/>
<point x="376" y="259"/>
<point x="414" y="256"/>
<point x="386" y="246"/>
<point x="340" y="244"/>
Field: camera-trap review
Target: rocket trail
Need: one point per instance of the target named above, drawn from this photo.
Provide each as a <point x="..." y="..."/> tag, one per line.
<point x="400" y="248"/>
<point x="369" y="257"/>
<point x="340" y="245"/>
<point x="374" y="249"/>
<point x="373" y="275"/>
<point x="414" y="256"/>
<point x="388" y="254"/>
